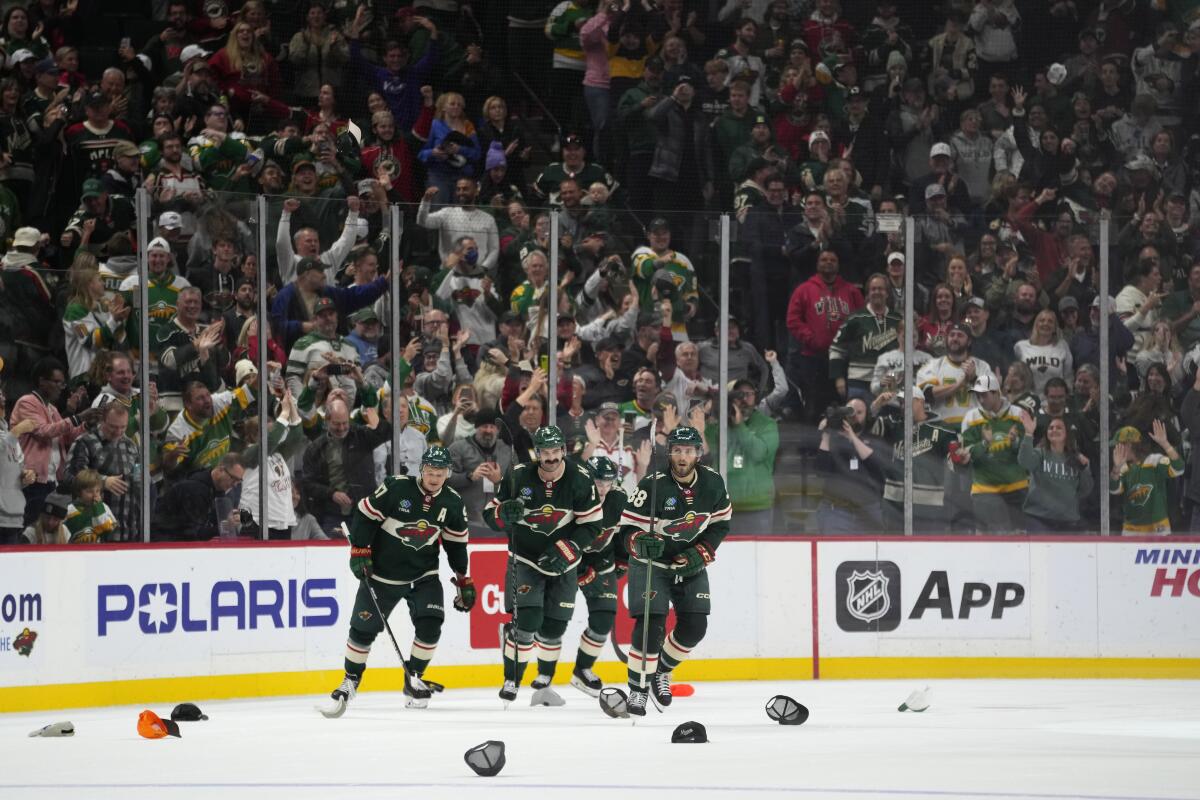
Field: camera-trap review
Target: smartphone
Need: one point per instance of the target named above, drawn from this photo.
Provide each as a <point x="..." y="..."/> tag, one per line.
<point x="334" y="369"/>
<point x="544" y="363"/>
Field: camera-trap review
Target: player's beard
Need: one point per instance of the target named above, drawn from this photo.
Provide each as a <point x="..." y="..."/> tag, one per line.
<point x="686" y="471"/>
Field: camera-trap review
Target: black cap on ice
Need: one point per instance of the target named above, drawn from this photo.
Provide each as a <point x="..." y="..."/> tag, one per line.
<point x="614" y="702"/>
<point x="486" y="759"/>
<point x="786" y="711"/>
<point x="689" y="733"/>
<point x="187" y="712"/>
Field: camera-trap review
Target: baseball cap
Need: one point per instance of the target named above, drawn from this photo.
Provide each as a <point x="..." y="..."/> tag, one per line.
<point x="171" y="220"/>
<point x="96" y="100"/>
<point x="55" y="505"/>
<point x="658" y="224"/>
<point x="125" y="149"/>
<point x="509" y="316"/>
<point x="606" y="408"/>
<point x="914" y="85"/>
<point x="855" y="93"/>
<point x="1096" y="302"/>
<point x="572" y="140"/>
<point x="977" y="302"/>
<point x="324" y="304"/>
<point x="960" y="327"/>
<point x="646" y="319"/>
<point x="941" y="149"/>
<point x="301" y="162"/>
<point x="986" y="383"/>
<point x="1067" y="303"/>
<point x="761" y="119"/>
<point x="20" y="56"/>
<point x="799" y="44"/>
<point x="364" y="314"/>
<point x="193" y="51"/>
<point x="187" y="712"/>
<point x="818" y="136"/>
<point x="689" y="733"/>
<point x="895" y="255"/>
<point x="46" y="65"/>
<point x="158" y="243"/>
<point x="607" y="344"/>
<point x="152" y="726"/>
<point x="935" y="190"/>
<point x="307" y="263"/>
<point x="366" y="186"/>
<point x="92" y="187"/>
<point x="54" y="730"/>
<point x="27" y="237"/>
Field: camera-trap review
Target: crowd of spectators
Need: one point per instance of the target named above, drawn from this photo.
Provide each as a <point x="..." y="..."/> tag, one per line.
<point x="1008" y="130"/>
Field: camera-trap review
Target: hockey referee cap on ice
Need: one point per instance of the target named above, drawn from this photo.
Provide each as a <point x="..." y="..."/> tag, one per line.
<point x="689" y="733"/>
<point x="486" y="759"/>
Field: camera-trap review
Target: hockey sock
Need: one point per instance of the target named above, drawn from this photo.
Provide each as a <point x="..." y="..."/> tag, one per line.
<point x="650" y="666"/>
<point x="523" y="648"/>
<point x="689" y="630"/>
<point x="549" y="641"/>
<point x="428" y="631"/>
<point x="591" y="643"/>
<point x="357" y="651"/>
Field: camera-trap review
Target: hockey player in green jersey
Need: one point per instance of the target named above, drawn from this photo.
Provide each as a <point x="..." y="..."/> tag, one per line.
<point x="678" y="533"/>
<point x="598" y="574"/>
<point x="550" y="512"/>
<point x="394" y="540"/>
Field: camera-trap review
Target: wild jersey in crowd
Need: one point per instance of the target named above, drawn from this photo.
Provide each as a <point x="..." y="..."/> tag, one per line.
<point x="414" y="522"/>
<point x="695" y="512"/>
<point x="564" y="509"/>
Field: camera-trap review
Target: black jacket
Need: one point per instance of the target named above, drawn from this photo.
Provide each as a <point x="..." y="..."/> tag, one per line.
<point x="359" y="466"/>
<point x="187" y="510"/>
<point x="674" y="123"/>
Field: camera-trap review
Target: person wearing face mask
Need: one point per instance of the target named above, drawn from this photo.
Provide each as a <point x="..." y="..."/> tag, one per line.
<point x="469" y="290"/>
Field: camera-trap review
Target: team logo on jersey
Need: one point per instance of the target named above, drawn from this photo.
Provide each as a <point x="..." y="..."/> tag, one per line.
<point x="688" y="526"/>
<point x="466" y="295"/>
<point x="547" y="515"/>
<point x="23" y="644"/>
<point x="414" y="534"/>
<point x="1140" y="494"/>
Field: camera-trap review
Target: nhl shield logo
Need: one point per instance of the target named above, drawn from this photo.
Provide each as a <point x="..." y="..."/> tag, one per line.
<point x="867" y="596"/>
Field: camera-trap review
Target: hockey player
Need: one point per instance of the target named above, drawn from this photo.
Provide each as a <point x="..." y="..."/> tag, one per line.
<point x="549" y="512"/>
<point x="598" y="576"/>
<point x="679" y="537"/>
<point x="394" y="541"/>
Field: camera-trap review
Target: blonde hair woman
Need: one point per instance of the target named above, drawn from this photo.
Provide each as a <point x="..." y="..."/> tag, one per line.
<point x="248" y="75"/>
<point x="1045" y="352"/>
<point x="88" y="322"/>
<point x="452" y="151"/>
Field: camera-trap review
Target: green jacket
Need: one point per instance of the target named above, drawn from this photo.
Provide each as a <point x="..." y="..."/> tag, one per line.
<point x="750" y="461"/>
<point x="731" y="132"/>
<point x="640" y="133"/>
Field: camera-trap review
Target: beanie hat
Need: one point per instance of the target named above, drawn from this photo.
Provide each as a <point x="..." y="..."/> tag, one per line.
<point x="495" y="156"/>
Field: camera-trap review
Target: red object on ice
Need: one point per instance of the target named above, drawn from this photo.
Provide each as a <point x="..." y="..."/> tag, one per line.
<point x="682" y="690"/>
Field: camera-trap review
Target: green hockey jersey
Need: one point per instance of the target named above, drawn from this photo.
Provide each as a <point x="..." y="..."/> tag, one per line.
<point x="687" y="513"/>
<point x="993" y="441"/>
<point x="90" y="524"/>
<point x="859" y="343"/>
<point x="601" y="554"/>
<point x="564" y="509"/>
<point x="931" y="445"/>
<point x="403" y="524"/>
<point x="1144" y="488"/>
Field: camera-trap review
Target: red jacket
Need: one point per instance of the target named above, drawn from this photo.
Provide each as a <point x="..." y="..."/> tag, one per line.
<point x="816" y="312"/>
<point x="1048" y="252"/>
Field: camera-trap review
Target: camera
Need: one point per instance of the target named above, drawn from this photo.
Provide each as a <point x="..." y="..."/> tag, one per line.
<point x="664" y="284"/>
<point x="836" y="415"/>
<point x="613" y="271"/>
<point x="335" y="369"/>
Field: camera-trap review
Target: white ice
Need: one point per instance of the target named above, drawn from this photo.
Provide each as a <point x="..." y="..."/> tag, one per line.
<point x="979" y="739"/>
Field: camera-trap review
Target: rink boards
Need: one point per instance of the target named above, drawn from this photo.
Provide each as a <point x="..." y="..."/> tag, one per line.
<point x="100" y="626"/>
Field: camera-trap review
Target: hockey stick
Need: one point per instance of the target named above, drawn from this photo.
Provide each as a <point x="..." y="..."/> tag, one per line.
<point x="649" y="561"/>
<point x="403" y="661"/>
<point x="512" y="491"/>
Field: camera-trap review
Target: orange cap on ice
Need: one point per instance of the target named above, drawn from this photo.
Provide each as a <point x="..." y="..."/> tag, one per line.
<point x="153" y="726"/>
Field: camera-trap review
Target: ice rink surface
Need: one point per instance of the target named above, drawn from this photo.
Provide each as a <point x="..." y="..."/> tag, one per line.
<point x="979" y="739"/>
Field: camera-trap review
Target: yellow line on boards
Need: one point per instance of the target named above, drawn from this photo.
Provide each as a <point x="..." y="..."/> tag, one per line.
<point x="319" y="683"/>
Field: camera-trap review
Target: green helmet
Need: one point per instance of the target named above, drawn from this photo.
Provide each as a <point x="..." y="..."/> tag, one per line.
<point x="436" y="456"/>
<point x="602" y="469"/>
<point x="548" y="436"/>
<point x="684" y="434"/>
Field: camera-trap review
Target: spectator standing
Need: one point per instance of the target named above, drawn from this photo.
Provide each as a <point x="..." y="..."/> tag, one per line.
<point x="285" y="442"/>
<point x="318" y="54"/>
<point x="931" y="444"/>
<point x="116" y="459"/>
<point x="398" y="81"/>
<point x="750" y="465"/>
<point x="1060" y="478"/>
<point x="339" y="469"/>
<point x="90" y="326"/>
<point x="865" y="336"/>
<point x="682" y="170"/>
<point x="1141" y="478"/>
<point x="47" y="444"/>
<point x="452" y="151"/>
<point x="817" y="310"/>
<point x="461" y="219"/>
<point x="13" y="476"/>
<point x="991" y="434"/>
<point x="188" y="510"/>
<point x="1045" y="351"/>
<point x="203" y="432"/>
<point x="478" y="464"/>
<point x="664" y="274"/>
<point x="854" y="472"/>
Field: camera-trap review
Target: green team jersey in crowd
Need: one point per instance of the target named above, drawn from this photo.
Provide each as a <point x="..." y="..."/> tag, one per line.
<point x="207" y="440"/>
<point x="993" y="440"/>
<point x="162" y="294"/>
<point x="1144" y="487"/>
<point x="931" y="445"/>
<point x="402" y="524"/>
<point x="561" y="28"/>
<point x="555" y="173"/>
<point x="564" y="509"/>
<point x="307" y="353"/>
<point x="89" y="524"/>
<point x="525" y="297"/>
<point x="859" y="343"/>
<point x="695" y="511"/>
<point x="683" y="275"/>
